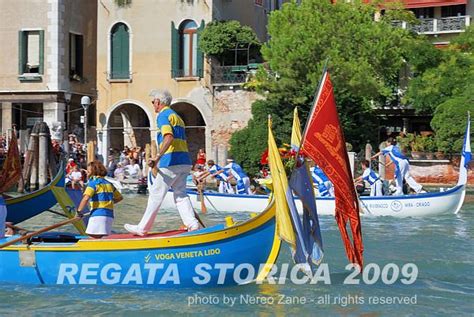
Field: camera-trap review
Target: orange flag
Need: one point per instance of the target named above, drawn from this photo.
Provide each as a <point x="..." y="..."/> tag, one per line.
<point x="11" y="171"/>
<point x="323" y="141"/>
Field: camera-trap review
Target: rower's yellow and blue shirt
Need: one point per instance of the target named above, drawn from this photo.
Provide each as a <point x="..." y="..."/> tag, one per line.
<point x="169" y="122"/>
<point x="102" y="195"/>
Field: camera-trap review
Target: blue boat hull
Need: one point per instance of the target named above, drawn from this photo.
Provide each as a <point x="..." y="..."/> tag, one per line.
<point x="227" y="256"/>
<point x="32" y="204"/>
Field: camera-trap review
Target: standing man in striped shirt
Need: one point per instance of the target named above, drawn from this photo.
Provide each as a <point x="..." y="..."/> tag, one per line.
<point x="402" y="167"/>
<point x="174" y="166"/>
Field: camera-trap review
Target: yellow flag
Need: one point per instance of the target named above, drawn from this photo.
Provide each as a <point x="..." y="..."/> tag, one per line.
<point x="280" y="186"/>
<point x="296" y="131"/>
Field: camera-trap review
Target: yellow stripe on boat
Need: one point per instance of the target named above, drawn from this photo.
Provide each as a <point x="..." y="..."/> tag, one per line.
<point x="161" y="242"/>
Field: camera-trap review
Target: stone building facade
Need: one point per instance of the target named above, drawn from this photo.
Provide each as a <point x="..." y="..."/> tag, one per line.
<point x="144" y="45"/>
<point x="440" y="21"/>
<point x="48" y="61"/>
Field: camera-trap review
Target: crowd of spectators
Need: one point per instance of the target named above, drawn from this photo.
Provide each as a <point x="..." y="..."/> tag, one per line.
<point x="3" y="148"/>
<point x="122" y="165"/>
<point x="127" y="164"/>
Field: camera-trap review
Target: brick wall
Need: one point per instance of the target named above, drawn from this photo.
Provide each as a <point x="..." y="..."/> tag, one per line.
<point x="231" y="112"/>
<point x="443" y="172"/>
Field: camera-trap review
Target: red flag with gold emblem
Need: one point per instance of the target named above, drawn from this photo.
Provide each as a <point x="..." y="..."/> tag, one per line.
<point x="11" y="171"/>
<point x="323" y="141"/>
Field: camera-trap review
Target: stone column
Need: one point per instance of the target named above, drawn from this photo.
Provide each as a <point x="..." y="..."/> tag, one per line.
<point x="382" y="161"/>
<point x="34" y="144"/>
<point x="351" y="156"/>
<point x="53" y="112"/>
<point x="368" y="151"/>
<point x="7" y="116"/>
<point x="222" y="154"/>
<point x="405" y="125"/>
<point x="153" y="133"/>
<point x="208" y="143"/>
<point x="216" y="154"/>
<point x="43" y="155"/>
<point x="103" y="143"/>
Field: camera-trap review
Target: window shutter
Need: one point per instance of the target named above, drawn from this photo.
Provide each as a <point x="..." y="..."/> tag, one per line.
<point x="120" y="53"/>
<point x="174" y="51"/>
<point x="115" y="58"/>
<point x="21" y="52"/>
<point x="41" y="52"/>
<point x="125" y="53"/>
<point x="72" y="54"/>
<point x="79" y="54"/>
<point x="200" y="54"/>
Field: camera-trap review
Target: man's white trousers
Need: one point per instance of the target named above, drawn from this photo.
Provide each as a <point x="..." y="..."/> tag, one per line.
<point x="173" y="177"/>
<point x="403" y="173"/>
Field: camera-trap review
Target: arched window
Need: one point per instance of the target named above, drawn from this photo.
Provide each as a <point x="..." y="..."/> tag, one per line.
<point x="120" y="52"/>
<point x="187" y="58"/>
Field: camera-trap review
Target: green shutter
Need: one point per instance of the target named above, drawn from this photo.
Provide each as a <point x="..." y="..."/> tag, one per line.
<point x="120" y="52"/>
<point x="200" y="54"/>
<point x="79" y="55"/>
<point x="71" y="38"/>
<point x="21" y="52"/>
<point x="174" y="51"/>
<point x="115" y="58"/>
<point x="125" y="53"/>
<point x="41" y="52"/>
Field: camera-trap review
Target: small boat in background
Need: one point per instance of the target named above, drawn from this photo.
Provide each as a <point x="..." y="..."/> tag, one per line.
<point x="31" y="204"/>
<point x="417" y="205"/>
<point x="420" y="205"/>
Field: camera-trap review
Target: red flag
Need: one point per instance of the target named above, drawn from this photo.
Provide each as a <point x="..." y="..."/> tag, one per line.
<point x="323" y="141"/>
<point x="11" y="171"/>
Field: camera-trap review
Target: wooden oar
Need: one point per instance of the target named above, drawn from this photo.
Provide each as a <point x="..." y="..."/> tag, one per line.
<point x="32" y="234"/>
<point x="199" y="219"/>
<point x="201" y="196"/>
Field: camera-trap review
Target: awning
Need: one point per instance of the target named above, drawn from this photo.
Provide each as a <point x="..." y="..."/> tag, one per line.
<point x="410" y="4"/>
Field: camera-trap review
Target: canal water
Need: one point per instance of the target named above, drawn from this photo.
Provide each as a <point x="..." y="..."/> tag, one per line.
<point x="441" y="248"/>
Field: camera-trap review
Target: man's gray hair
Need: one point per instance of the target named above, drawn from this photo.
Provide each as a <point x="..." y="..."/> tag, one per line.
<point x="164" y="96"/>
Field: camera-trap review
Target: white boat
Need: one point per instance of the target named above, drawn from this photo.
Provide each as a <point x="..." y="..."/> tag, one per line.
<point x="416" y="205"/>
<point x="125" y="185"/>
<point x="427" y="204"/>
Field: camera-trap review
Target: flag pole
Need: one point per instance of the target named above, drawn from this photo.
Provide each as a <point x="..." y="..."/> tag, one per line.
<point x="315" y="98"/>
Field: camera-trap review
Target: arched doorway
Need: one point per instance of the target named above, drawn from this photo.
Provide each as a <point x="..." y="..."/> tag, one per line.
<point x="195" y="127"/>
<point x="128" y="125"/>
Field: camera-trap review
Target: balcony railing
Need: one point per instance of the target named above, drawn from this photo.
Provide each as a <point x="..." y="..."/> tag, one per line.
<point x="453" y="23"/>
<point x="437" y="26"/>
<point x="181" y="73"/>
<point x="237" y="74"/>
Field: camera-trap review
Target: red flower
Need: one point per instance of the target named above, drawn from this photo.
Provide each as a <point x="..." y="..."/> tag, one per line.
<point x="264" y="158"/>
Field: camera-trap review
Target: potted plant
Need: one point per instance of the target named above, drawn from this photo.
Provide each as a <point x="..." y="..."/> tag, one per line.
<point x="442" y="149"/>
<point x="440" y="155"/>
<point x="403" y="141"/>
<point x="430" y="147"/>
<point x="417" y="147"/>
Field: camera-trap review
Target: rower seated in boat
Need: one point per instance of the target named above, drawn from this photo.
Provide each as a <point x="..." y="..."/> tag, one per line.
<point x="370" y="177"/>
<point x="220" y="175"/>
